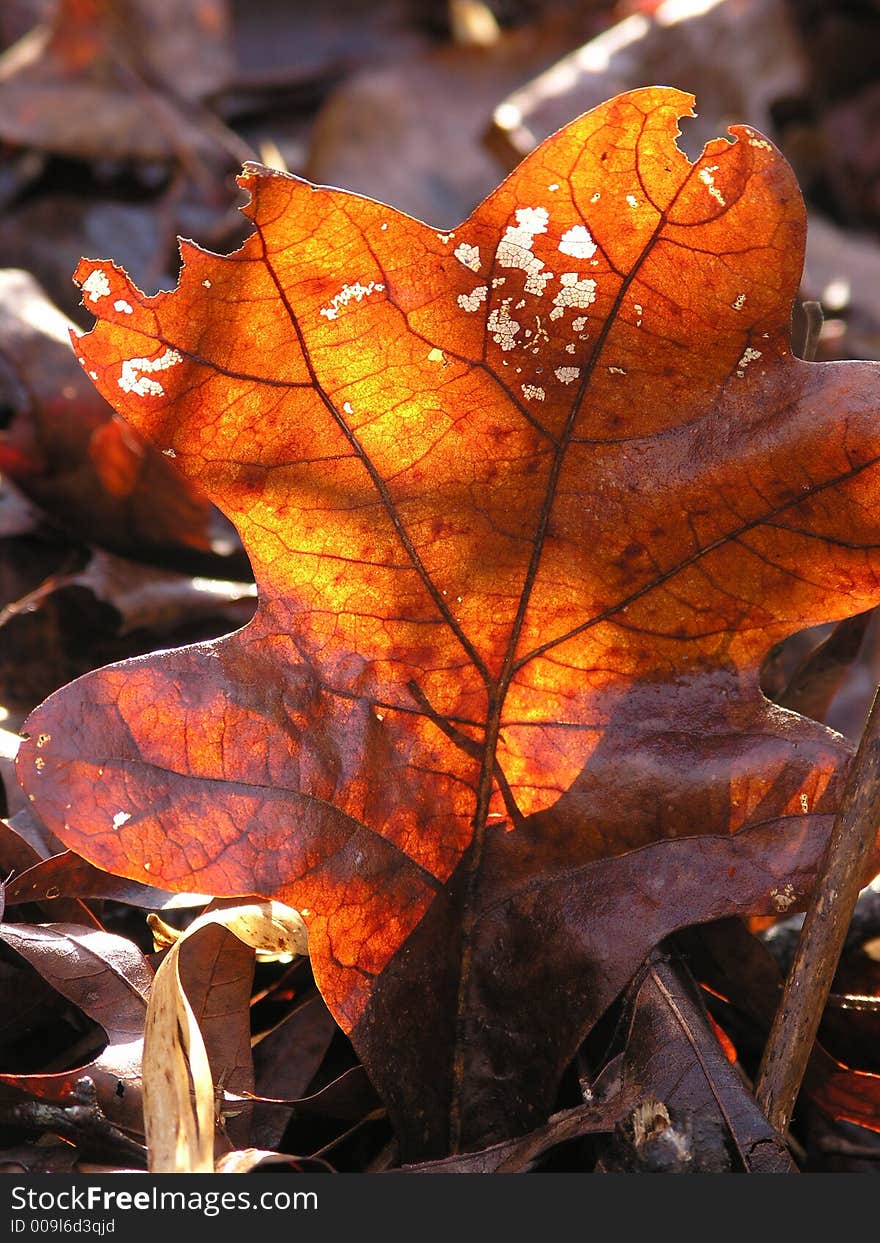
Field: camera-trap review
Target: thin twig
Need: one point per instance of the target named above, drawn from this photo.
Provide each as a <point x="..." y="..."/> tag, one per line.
<point x="828" y="917"/>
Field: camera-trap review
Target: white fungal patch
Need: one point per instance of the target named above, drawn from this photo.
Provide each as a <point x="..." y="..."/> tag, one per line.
<point x="805" y="803"/>
<point x="783" y="898"/>
<point x="498" y="281"/>
<point x="435" y="355"/>
<point x="468" y="255"/>
<point x="578" y="242"/>
<point x="567" y="374"/>
<point x="207" y="284"/>
<point x="574" y="292"/>
<point x="580" y="323"/>
<point x="755" y="140"/>
<point x="349" y="293"/>
<point x="93" y="375"/>
<point x="383" y="226"/>
<point x="96" y="285"/>
<point x="632" y="200"/>
<point x="502" y="327"/>
<point x="136" y="372"/>
<point x="749" y="356"/>
<point x="446" y="238"/>
<point x="515" y="248"/>
<point x="553" y="187"/>
<point x="533" y="391"/>
<point x="121" y="305"/>
<point x="708" y="180"/>
<point x="473" y="300"/>
<point x="347" y="408"/>
<point x="569" y="349"/>
<point x="596" y="197"/>
<point x="169" y="453"/>
<point x="739" y="302"/>
<point x="617" y="371"/>
<point x="121" y="818"/>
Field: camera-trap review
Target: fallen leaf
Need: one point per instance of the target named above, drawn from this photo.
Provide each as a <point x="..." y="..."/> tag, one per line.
<point x="527" y="505"/>
<point x="66" y="874"/>
<point x="65" y="449"/>
<point x="673" y="1055"/>
<point x="105" y="79"/>
<point x="109" y="979"/>
<point x="191" y="992"/>
<point x="677" y="43"/>
<point x="286" y="1060"/>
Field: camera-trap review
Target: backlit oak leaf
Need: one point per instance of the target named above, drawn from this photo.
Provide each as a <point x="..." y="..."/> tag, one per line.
<point x="527" y="505"/>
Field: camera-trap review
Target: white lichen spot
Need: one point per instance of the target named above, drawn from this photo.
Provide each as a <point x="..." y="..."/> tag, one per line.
<point x="39" y="763"/>
<point x="749" y="356"/>
<point x="124" y="307"/>
<point x="502" y="327"/>
<point x="553" y="187"/>
<point x="739" y="302"/>
<point x="383" y="226"/>
<point x="121" y="818"/>
<point x="632" y="200"/>
<point x="578" y="242"/>
<point x="569" y="349"/>
<point x="468" y="255"/>
<point x="135" y="377"/>
<point x="379" y="716"/>
<point x="805" y="803"/>
<point x="515" y="248"/>
<point x="207" y="284"/>
<point x="497" y="281"/>
<point x="596" y="197"/>
<point x="783" y="898"/>
<point x="519" y="306"/>
<point x="617" y="371"/>
<point x="580" y="323"/>
<point x="755" y="140"/>
<point x="530" y="391"/>
<point x="708" y="180"/>
<point x="446" y="238"/>
<point x="96" y="285"/>
<point x="567" y="374"/>
<point x="169" y="453"/>
<point x="347" y="407"/>
<point x="472" y="301"/>
<point x="574" y="292"/>
<point x="348" y="293"/>
<point x="93" y="375"/>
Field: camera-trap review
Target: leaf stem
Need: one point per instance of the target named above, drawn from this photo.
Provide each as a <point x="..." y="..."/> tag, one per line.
<point x="821" y="941"/>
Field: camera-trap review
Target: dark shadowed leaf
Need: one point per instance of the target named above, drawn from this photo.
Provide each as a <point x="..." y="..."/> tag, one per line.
<point x="109" y="979"/>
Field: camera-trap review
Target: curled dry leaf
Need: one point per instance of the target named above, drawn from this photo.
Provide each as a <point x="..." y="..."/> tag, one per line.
<point x="109" y="979"/>
<point x="527" y="505"/>
<point x="179" y="1086"/>
<point x="673" y="1055"/>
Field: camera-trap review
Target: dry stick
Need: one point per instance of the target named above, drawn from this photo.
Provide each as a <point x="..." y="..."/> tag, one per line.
<point x="824" y="931"/>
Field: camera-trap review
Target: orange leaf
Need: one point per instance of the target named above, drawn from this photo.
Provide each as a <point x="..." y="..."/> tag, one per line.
<point x="527" y="505"/>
